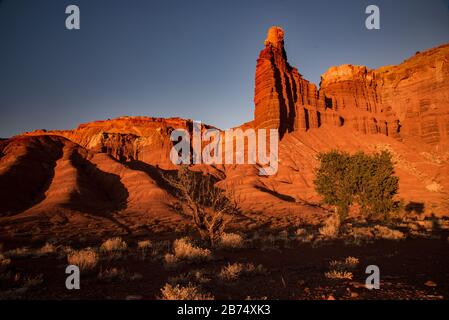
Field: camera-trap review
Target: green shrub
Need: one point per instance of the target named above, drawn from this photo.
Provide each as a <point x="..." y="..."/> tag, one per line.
<point x="343" y="179"/>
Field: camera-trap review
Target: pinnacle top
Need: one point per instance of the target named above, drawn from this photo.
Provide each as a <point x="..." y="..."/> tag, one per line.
<point x="275" y="37"/>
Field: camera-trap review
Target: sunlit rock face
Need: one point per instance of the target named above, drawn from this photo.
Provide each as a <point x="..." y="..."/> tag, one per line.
<point x="408" y="101"/>
<point x="283" y="99"/>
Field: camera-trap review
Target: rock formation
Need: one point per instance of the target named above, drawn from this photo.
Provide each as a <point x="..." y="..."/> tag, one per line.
<point x="408" y="101"/>
<point x="283" y="99"/>
<point x="111" y="171"/>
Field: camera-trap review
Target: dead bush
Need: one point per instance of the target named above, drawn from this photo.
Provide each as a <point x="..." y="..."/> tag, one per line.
<point x="201" y="199"/>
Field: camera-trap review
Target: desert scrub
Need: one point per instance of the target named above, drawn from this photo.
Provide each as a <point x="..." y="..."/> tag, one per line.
<point x="189" y="292"/>
<point x="144" y="248"/>
<point x="144" y="245"/>
<point x="203" y="201"/>
<point x="231" y="241"/>
<point x="85" y="259"/>
<point x="348" y="263"/>
<point x="339" y="275"/>
<point x="114" y="245"/>
<point x="331" y="227"/>
<point x="232" y="271"/>
<point x="183" y="250"/>
<point x="343" y="179"/>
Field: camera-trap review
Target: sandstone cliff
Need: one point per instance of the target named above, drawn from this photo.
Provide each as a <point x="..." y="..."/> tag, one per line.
<point x="409" y="101"/>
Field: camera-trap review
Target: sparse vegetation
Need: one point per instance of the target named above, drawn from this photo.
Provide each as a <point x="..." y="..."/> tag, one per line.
<point x="231" y="241"/>
<point x="201" y="199"/>
<point x="331" y="227"/>
<point x="343" y="179"/>
<point x="348" y="263"/>
<point x="189" y="292"/>
<point x="144" y="245"/>
<point x="339" y="275"/>
<point x="85" y="259"/>
<point x="183" y="250"/>
<point x="114" y="245"/>
<point x="232" y="271"/>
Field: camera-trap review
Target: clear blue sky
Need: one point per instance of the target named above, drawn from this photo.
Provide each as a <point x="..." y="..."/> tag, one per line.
<point x="189" y="58"/>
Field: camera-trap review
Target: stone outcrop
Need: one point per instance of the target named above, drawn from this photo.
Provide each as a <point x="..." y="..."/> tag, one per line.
<point x="127" y="139"/>
<point x="283" y="99"/>
<point x="408" y="102"/>
<point x="354" y="93"/>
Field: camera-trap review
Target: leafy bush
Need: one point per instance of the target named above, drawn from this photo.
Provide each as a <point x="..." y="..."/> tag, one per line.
<point x="343" y="179"/>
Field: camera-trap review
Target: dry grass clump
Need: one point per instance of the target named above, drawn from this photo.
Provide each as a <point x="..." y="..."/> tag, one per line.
<point x="331" y="227"/>
<point x="232" y="271"/>
<point x="339" y="275"/>
<point x="144" y="245"/>
<point x="351" y="261"/>
<point x="339" y="269"/>
<point x="85" y="259"/>
<point x="348" y="263"/>
<point x="387" y="233"/>
<point x="186" y="251"/>
<point x="189" y="292"/>
<point x="231" y="241"/>
<point x="114" y="245"/>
